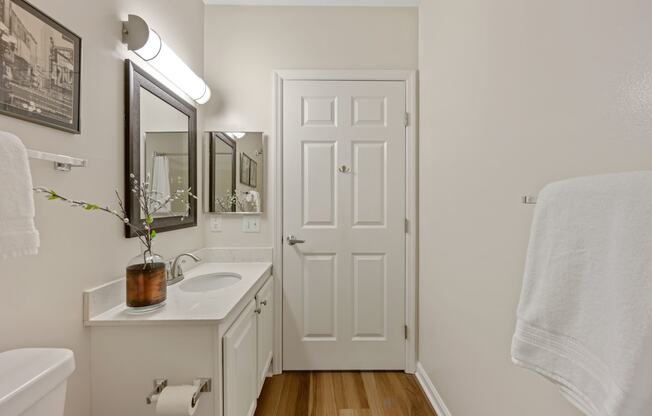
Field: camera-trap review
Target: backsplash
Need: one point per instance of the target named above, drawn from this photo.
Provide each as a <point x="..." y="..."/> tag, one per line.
<point x="235" y="255"/>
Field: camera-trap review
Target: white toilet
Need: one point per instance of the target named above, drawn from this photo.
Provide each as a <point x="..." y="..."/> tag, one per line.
<point x="33" y="381"/>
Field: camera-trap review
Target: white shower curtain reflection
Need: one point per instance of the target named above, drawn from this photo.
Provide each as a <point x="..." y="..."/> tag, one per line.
<point x="161" y="182"/>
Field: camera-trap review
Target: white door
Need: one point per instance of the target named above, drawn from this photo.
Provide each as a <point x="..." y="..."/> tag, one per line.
<point x="344" y="195"/>
<point x="240" y="371"/>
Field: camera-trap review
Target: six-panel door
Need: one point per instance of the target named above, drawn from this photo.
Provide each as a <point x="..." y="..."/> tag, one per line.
<point x="344" y="194"/>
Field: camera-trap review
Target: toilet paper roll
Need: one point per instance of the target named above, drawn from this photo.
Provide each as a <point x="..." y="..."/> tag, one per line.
<point x="176" y="401"/>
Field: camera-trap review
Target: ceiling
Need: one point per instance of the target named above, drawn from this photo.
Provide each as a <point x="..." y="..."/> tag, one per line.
<point x="368" y="3"/>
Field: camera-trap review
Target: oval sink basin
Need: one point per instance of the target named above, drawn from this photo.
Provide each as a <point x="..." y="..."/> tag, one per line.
<point x="209" y="282"/>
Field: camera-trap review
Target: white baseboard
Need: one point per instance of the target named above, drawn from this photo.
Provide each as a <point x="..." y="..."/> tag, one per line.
<point x="431" y="392"/>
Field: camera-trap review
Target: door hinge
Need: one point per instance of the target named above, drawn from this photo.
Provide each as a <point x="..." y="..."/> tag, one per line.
<point x="407" y="119"/>
<point x="407" y="226"/>
<point x="405" y="327"/>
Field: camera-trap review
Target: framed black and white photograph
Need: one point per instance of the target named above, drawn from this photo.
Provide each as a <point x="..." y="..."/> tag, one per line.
<point x="245" y="163"/>
<point x="253" y="167"/>
<point x="40" y="67"/>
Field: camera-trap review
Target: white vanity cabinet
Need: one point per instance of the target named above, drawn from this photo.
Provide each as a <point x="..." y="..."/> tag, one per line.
<point x="247" y="352"/>
<point x="182" y="342"/>
<point x="265" y="312"/>
<point x="240" y="370"/>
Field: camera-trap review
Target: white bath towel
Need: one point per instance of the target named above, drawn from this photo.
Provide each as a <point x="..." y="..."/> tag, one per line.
<point x="18" y="236"/>
<point x="585" y="313"/>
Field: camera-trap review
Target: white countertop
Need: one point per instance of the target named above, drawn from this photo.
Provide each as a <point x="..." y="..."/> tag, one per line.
<point x="192" y="307"/>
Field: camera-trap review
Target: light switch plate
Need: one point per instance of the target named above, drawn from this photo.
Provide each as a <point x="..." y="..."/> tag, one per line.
<point x="250" y="224"/>
<point x="216" y="223"/>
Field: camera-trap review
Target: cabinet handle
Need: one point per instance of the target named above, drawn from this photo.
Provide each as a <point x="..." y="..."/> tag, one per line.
<point x="263" y="302"/>
<point x="257" y="310"/>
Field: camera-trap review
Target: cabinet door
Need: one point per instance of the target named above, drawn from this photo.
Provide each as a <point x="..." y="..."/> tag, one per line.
<point x="240" y="368"/>
<point x="264" y="300"/>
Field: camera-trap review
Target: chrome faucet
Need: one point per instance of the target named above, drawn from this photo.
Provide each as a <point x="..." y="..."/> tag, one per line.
<point x="176" y="272"/>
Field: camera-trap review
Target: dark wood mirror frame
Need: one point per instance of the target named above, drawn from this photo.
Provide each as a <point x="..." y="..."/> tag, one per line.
<point x="137" y="78"/>
<point x="214" y="136"/>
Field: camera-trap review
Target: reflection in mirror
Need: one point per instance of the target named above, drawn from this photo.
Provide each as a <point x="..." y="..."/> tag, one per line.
<point x="166" y="163"/>
<point x="164" y="132"/>
<point x="235" y="172"/>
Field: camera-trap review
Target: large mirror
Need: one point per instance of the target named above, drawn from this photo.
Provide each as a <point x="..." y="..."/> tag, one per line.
<point x="235" y="172"/>
<point x="161" y="150"/>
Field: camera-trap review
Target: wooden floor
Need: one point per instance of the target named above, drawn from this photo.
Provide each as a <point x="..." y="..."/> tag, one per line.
<point x="343" y="394"/>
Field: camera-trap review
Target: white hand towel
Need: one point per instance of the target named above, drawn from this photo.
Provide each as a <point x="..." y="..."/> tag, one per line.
<point x="585" y="313"/>
<point x="253" y="197"/>
<point x="18" y="236"/>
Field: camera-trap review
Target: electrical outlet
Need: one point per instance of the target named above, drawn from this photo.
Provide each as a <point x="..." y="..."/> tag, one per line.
<point x="250" y="224"/>
<point x="216" y="223"/>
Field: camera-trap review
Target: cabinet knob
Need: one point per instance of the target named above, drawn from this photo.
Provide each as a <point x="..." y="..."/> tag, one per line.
<point x="263" y="302"/>
<point x="257" y="310"/>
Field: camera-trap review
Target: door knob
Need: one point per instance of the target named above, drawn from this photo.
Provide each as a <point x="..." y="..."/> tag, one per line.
<point x="345" y="169"/>
<point x="292" y="240"/>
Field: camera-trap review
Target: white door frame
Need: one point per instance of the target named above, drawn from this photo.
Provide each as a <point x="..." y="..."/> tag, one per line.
<point x="410" y="79"/>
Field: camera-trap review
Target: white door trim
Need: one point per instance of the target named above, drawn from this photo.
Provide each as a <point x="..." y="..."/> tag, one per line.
<point x="410" y="79"/>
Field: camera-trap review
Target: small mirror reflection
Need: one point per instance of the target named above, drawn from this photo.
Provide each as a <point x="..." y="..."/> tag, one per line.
<point x="235" y="174"/>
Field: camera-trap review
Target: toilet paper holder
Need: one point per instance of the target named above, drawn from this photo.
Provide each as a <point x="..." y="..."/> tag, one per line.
<point x="204" y="385"/>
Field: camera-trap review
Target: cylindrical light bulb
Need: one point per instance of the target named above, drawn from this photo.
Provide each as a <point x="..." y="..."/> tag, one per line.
<point x="204" y="98"/>
<point x="163" y="58"/>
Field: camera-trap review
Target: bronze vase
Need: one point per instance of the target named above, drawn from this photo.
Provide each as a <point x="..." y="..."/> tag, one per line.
<point x="146" y="282"/>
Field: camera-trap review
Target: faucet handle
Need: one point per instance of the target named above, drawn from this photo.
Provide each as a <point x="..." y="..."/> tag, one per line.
<point x="176" y="272"/>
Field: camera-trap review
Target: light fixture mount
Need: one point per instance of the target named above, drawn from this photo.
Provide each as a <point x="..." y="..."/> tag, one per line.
<point x="135" y="32"/>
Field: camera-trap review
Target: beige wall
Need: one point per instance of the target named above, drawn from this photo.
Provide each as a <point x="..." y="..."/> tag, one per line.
<point x="41" y="296"/>
<point x="514" y="94"/>
<point x="245" y="44"/>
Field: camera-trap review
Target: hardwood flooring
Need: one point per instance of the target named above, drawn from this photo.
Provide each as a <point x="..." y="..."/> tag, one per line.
<point x="377" y="393"/>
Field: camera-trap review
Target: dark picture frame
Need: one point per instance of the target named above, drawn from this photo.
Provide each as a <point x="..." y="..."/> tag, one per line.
<point x="137" y="78"/>
<point x="253" y="173"/>
<point x="245" y="162"/>
<point x="40" y="68"/>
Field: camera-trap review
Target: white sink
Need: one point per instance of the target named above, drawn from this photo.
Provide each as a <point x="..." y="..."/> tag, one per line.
<point x="209" y="282"/>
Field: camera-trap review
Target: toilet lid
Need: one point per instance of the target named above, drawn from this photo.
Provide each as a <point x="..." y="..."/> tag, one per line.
<point x="28" y="374"/>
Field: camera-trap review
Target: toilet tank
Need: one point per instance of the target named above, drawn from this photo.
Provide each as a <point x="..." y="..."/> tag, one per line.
<point x="33" y="381"/>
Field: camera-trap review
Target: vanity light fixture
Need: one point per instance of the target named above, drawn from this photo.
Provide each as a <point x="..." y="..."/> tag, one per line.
<point x="147" y="44"/>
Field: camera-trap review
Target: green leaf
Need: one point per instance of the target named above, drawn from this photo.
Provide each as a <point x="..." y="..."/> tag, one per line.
<point x="53" y="197"/>
<point x="152" y="234"/>
<point x="91" y="207"/>
<point x="150" y="220"/>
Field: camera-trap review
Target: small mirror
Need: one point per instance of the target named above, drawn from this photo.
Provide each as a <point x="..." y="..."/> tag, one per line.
<point x="161" y="143"/>
<point x="235" y="172"/>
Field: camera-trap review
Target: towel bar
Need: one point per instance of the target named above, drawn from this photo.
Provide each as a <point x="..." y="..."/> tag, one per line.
<point x="61" y="162"/>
